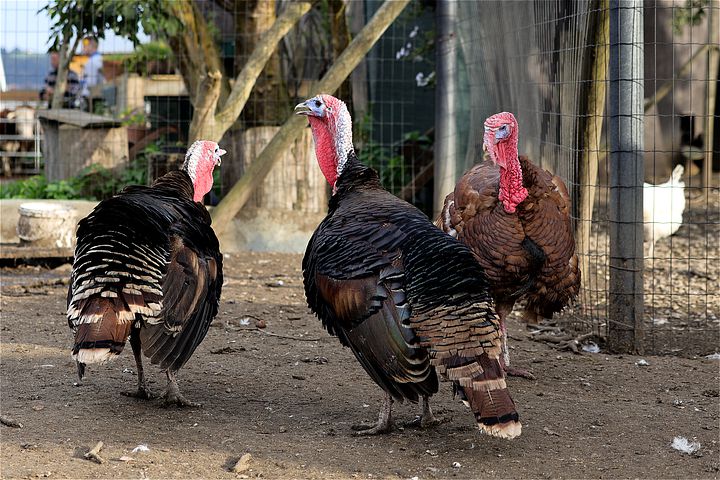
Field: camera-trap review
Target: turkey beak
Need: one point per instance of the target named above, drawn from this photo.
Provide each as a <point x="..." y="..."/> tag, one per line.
<point x="302" y="109"/>
<point x="219" y="154"/>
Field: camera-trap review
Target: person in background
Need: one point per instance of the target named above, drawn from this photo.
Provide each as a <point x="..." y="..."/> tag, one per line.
<point x="72" y="86"/>
<point x="92" y="71"/>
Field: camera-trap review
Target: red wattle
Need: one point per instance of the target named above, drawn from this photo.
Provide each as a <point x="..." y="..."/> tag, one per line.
<point x="511" y="192"/>
<point x="324" y="149"/>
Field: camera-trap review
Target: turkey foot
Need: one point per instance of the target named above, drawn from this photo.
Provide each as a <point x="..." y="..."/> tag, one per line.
<point x="427" y="419"/>
<point x="384" y="423"/>
<point x="518" y="372"/>
<point x="512" y="371"/>
<point x="143" y="393"/>
<point x="174" y="397"/>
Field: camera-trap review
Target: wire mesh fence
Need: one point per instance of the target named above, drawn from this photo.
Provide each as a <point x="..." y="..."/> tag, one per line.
<point x="546" y="61"/>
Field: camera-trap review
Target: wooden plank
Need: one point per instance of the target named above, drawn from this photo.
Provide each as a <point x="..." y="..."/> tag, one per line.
<point x="15" y="250"/>
<point x="78" y="118"/>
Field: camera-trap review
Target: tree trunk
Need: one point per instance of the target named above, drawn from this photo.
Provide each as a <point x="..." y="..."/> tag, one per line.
<point x="268" y="103"/>
<point x="194" y="48"/>
<point x="199" y="63"/>
<point x="340" y="39"/>
<point x="340" y="70"/>
<point x="66" y="54"/>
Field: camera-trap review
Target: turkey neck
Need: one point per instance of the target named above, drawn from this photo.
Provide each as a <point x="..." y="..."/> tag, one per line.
<point x="355" y="176"/>
<point x="176" y="182"/>
<point x="511" y="192"/>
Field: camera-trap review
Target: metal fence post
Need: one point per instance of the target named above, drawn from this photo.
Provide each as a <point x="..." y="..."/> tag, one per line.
<point x="625" y="328"/>
<point x="445" y="151"/>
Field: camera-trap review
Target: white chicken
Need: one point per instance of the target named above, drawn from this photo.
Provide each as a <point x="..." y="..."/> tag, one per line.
<point x="663" y="207"/>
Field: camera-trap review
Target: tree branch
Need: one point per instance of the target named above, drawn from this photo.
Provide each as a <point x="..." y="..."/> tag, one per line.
<point x="235" y="199"/>
<point x="255" y="64"/>
<point x="206" y="99"/>
<point x="66" y="54"/>
<point x="194" y="47"/>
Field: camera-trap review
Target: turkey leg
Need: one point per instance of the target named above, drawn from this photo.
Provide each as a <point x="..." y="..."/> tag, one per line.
<point x="142" y="391"/>
<point x="173" y="395"/>
<point x="503" y="310"/>
<point x="427" y="419"/>
<point x="384" y="423"/>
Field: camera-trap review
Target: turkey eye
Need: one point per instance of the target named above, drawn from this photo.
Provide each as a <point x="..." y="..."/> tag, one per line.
<point x="318" y="103"/>
<point x="502" y="132"/>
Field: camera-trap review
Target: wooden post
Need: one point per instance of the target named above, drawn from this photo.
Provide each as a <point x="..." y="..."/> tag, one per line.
<point x="713" y="57"/>
<point x="235" y="199"/>
<point x="625" y="327"/>
<point x="592" y="133"/>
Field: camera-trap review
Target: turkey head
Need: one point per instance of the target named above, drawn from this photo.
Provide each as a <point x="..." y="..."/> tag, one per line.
<point x="332" y="131"/>
<point x="501" y="142"/>
<point x="200" y="160"/>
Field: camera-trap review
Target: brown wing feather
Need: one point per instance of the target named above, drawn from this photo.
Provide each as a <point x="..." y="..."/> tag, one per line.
<point x="548" y="224"/>
<point x="189" y="304"/>
<point x="184" y="286"/>
<point x="349" y="299"/>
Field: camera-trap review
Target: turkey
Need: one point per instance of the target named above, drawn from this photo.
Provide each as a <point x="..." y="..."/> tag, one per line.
<point x="408" y="300"/>
<point x="515" y="218"/>
<point x="663" y="207"/>
<point x="148" y="266"/>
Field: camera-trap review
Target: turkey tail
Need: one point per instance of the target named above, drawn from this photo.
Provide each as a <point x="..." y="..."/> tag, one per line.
<point x="480" y="383"/>
<point x="454" y="316"/>
<point x="103" y="326"/>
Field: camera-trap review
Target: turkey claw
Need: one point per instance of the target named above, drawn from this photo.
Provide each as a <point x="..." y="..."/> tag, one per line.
<point x="425" y="422"/>
<point x="142" y="393"/>
<point x="363" y="429"/>
<point x="518" y="372"/>
<point x="175" y="399"/>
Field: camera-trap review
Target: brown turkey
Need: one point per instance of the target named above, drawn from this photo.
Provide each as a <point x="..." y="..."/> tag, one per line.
<point x="407" y="299"/>
<point x="148" y="265"/>
<point x="515" y="218"/>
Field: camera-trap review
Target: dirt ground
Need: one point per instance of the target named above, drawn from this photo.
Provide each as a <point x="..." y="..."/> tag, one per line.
<point x="288" y="394"/>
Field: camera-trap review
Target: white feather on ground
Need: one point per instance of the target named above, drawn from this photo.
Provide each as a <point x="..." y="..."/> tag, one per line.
<point x="684" y="445"/>
<point x="663" y="207"/>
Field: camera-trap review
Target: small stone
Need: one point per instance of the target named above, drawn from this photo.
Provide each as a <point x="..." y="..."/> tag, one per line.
<point x="260" y="323"/>
<point x="242" y="464"/>
<point x="456" y="465"/>
<point x="642" y="363"/>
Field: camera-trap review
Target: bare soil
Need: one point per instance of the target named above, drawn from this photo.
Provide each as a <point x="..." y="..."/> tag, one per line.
<point x="288" y="394"/>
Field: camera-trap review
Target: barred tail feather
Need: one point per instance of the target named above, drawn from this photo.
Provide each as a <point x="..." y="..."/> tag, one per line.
<point x="103" y="327"/>
<point x="480" y="383"/>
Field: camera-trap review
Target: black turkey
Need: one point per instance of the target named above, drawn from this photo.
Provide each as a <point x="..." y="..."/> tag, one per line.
<point x="406" y="298"/>
<point x="148" y="266"/>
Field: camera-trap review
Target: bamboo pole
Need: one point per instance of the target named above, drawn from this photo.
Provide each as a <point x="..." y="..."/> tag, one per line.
<point x="446" y="99"/>
<point x="239" y="194"/>
<point x="592" y="134"/>
<point x="713" y="58"/>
